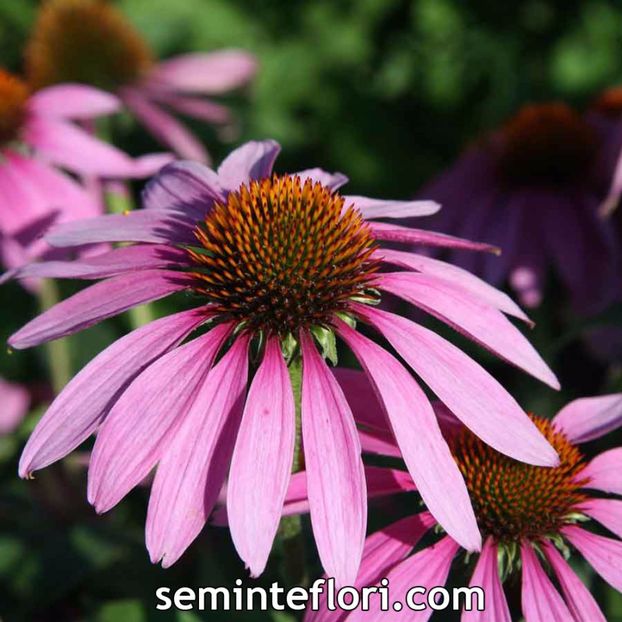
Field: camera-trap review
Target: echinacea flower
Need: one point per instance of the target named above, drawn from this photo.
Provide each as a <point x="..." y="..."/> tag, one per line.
<point x="530" y="189"/>
<point x="91" y="42"/>
<point x="276" y="263"/>
<point x="14" y="403"/>
<point x="529" y="517"/>
<point x="38" y="142"/>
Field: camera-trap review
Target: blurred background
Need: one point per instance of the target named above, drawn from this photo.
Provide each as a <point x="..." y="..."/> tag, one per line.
<point x="388" y="91"/>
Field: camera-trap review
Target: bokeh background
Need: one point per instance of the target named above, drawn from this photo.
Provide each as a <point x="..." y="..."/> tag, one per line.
<point x="388" y="91"/>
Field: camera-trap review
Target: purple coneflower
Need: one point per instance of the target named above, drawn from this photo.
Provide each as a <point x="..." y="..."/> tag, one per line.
<point x="278" y="264"/>
<point x="91" y="42"/>
<point x="37" y="138"/>
<point x="530" y="189"/>
<point x="529" y="517"/>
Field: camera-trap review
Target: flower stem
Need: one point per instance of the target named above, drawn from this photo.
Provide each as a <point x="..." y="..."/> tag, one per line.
<point x="58" y="354"/>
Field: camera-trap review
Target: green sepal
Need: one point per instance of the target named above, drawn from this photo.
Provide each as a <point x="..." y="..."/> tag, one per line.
<point x="328" y="342"/>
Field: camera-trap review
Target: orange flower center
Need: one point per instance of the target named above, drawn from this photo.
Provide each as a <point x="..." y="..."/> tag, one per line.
<point x="87" y="41"/>
<point x="547" y="144"/>
<point x="282" y="254"/>
<point x="13" y="98"/>
<point x="609" y="102"/>
<point x="513" y="500"/>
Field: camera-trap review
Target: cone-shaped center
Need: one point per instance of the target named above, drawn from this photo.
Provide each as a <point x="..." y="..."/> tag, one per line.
<point x="546" y="144"/>
<point x="87" y="41"/>
<point x="13" y="98"/>
<point x="513" y="500"/>
<point x="282" y="254"/>
<point x="609" y="102"/>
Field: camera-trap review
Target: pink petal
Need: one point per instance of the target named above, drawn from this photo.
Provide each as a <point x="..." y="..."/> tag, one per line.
<point x="166" y="128"/>
<point x="118" y="261"/>
<point x="82" y="405"/>
<point x="212" y="73"/>
<point x="381" y="208"/>
<point x="146" y="417"/>
<point x="396" y="233"/>
<point x="253" y="160"/>
<point x="603" y="554"/>
<point x="362" y="398"/>
<point x="96" y="303"/>
<point x="193" y="469"/>
<point x="428" y="568"/>
<point x="418" y="435"/>
<point x="608" y="512"/>
<point x="335" y="477"/>
<point x="603" y="472"/>
<point x="379" y="443"/>
<point x="202" y="109"/>
<point x="486" y="576"/>
<point x="66" y="145"/>
<point x="15" y="401"/>
<point x="262" y="460"/>
<point x="541" y="602"/>
<point x="152" y="226"/>
<point x="471" y="316"/>
<point x="590" y="417"/>
<point x="457" y="276"/>
<point x="466" y="388"/>
<point x="332" y="181"/>
<point x="73" y="101"/>
<point x="581" y="603"/>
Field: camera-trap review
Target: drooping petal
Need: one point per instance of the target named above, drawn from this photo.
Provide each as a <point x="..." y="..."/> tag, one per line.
<point x="82" y="405"/>
<point x="541" y="602"/>
<point x="262" y="460"/>
<point x="603" y="472"/>
<point x="15" y="401"/>
<point x="467" y="389"/>
<point x="149" y="226"/>
<point x="379" y="443"/>
<point x="608" y="512"/>
<point x="166" y="128"/>
<point x="463" y="311"/>
<point x="486" y="576"/>
<point x="333" y="181"/>
<point x="381" y="208"/>
<point x="362" y="398"/>
<point x="580" y="601"/>
<point x="456" y="275"/>
<point x="590" y="417"/>
<point x="211" y="73"/>
<point x="335" y="476"/>
<point x="66" y="145"/>
<point x="73" y="101"/>
<point x="96" y="303"/>
<point x="202" y="109"/>
<point x="253" y="160"/>
<point x="185" y="186"/>
<point x="603" y="554"/>
<point x="112" y="263"/>
<point x="146" y="417"/>
<point x="419" y="437"/>
<point x="193" y="469"/>
<point x="396" y="233"/>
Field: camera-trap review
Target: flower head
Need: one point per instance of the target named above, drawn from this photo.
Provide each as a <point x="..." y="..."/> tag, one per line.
<point x="92" y="42"/>
<point x="529" y="517"/>
<point x="532" y="188"/>
<point x="280" y="265"/>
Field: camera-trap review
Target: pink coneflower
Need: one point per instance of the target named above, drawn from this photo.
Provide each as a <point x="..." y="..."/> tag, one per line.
<point x="528" y="516"/>
<point x="529" y="188"/>
<point x="90" y="41"/>
<point x="37" y="139"/>
<point x="14" y="403"/>
<point x="276" y="264"/>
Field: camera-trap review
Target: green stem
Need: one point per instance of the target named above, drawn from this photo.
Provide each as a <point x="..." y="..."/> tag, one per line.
<point x="58" y="354"/>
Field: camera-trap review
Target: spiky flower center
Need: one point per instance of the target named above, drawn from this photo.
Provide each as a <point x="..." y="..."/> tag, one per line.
<point x="546" y="144"/>
<point x="13" y="98"/>
<point x="283" y="253"/>
<point x="87" y="41"/>
<point x="515" y="501"/>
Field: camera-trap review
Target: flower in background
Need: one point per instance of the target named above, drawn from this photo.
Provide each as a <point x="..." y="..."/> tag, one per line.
<point x="91" y="42"/>
<point x="529" y="189"/>
<point x="37" y="140"/>
<point x="14" y="404"/>
<point x="527" y="515"/>
<point x="278" y="265"/>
